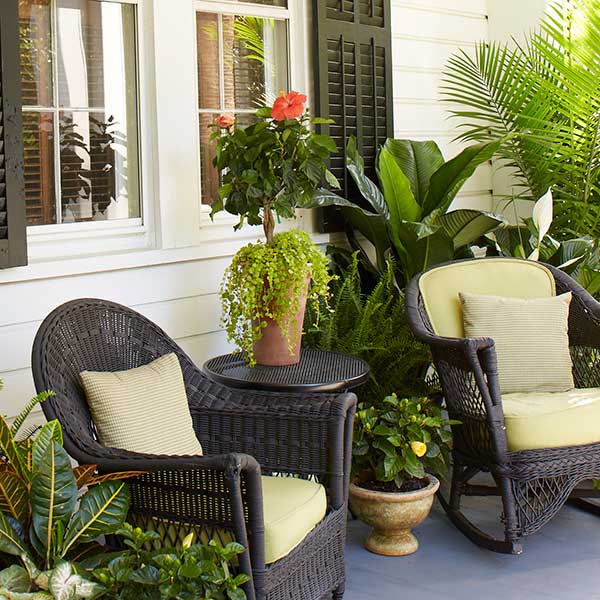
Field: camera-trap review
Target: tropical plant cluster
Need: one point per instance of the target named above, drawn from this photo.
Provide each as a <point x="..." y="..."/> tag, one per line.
<point x="398" y="442"/>
<point x="541" y="98"/>
<point x="53" y="516"/>
<point x="267" y="281"/>
<point x="408" y="215"/>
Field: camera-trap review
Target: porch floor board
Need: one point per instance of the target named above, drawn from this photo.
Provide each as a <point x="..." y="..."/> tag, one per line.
<point x="561" y="562"/>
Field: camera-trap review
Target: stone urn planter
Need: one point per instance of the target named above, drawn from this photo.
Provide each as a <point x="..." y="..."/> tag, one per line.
<point x="393" y="516"/>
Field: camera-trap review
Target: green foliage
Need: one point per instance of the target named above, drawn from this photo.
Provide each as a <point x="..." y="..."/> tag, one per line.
<point x="371" y="326"/>
<point x="408" y="217"/>
<point x="578" y="257"/>
<point x="271" y="165"/>
<point x="542" y="98"/>
<point x="188" y="572"/>
<point x="266" y="281"/>
<point x="400" y="439"/>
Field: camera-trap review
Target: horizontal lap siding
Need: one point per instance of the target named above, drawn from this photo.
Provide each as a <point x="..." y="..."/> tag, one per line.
<point x="425" y="33"/>
<point x="180" y="297"/>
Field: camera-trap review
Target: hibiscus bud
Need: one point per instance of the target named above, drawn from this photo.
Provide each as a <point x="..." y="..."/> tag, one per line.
<point x="225" y="121"/>
<point x="419" y="448"/>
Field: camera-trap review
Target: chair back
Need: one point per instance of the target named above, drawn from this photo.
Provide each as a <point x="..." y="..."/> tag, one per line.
<point x="95" y="335"/>
<point x="439" y="287"/>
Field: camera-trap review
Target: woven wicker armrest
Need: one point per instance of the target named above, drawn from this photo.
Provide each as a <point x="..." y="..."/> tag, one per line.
<point x="307" y="434"/>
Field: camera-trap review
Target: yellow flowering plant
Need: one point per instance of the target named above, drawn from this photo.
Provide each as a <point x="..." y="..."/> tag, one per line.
<point x="398" y="442"/>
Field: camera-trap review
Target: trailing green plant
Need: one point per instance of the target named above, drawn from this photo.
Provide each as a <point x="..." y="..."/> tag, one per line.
<point x="397" y="442"/>
<point x="542" y="98"/>
<point x="409" y="217"/>
<point x="371" y="325"/>
<point x="266" y="281"/>
<point x="272" y="166"/>
<point x="188" y="572"/>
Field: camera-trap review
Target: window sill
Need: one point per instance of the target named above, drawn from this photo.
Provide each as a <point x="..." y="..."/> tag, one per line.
<point x="212" y="244"/>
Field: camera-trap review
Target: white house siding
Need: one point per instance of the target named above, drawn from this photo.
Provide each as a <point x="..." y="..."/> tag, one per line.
<point x="425" y="33"/>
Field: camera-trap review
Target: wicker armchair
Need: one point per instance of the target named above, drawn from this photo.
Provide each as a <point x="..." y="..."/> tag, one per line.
<point x="535" y="483"/>
<point x="243" y="435"/>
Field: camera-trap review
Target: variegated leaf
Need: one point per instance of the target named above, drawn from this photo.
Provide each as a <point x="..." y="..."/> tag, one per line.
<point x="14" y="496"/>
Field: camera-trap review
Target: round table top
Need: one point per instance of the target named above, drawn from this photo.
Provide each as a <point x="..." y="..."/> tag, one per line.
<point x="317" y="371"/>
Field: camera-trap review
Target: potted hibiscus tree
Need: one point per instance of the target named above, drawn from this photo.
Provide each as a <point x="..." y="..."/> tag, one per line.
<point x="268" y="170"/>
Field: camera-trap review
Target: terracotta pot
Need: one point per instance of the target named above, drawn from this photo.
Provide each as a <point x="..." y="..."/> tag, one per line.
<point x="272" y="349"/>
<point x="393" y="515"/>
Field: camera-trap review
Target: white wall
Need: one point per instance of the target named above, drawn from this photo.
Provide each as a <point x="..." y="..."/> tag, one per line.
<point x="425" y="34"/>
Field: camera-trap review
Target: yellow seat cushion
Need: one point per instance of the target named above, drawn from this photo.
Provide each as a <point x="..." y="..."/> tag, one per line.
<point x="143" y="409"/>
<point x="489" y="276"/>
<point x="552" y="420"/>
<point x="292" y="507"/>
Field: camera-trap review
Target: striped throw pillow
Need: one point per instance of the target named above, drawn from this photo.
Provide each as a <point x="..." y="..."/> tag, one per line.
<point x="531" y="339"/>
<point x="144" y="409"/>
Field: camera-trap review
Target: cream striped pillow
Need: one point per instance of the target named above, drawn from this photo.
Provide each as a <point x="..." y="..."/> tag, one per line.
<point x="144" y="409"/>
<point x="531" y="338"/>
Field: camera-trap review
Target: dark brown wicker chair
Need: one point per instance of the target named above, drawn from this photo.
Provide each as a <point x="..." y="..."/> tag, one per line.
<point x="533" y="484"/>
<point x="243" y="434"/>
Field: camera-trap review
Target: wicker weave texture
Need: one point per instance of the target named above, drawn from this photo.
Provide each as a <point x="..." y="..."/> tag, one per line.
<point x="243" y="435"/>
<point x="534" y="484"/>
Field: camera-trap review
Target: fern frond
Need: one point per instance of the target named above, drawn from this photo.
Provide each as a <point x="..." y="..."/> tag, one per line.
<point x="22" y="416"/>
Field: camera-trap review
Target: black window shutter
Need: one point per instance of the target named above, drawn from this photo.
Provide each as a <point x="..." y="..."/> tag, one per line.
<point x="13" y="234"/>
<point x="353" y="82"/>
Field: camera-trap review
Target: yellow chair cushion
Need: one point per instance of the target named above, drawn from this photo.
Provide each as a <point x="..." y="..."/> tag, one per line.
<point x="552" y="420"/>
<point x="531" y="339"/>
<point x="292" y="507"/>
<point x="492" y="276"/>
<point x="144" y="409"/>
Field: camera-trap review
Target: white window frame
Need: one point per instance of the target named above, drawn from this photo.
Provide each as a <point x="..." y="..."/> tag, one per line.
<point x="69" y="240"/>
<point x="296" y="18"/>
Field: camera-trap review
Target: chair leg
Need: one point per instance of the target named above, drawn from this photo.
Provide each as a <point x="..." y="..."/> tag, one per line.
<point x="338" y="593"/>
<point x="460" y="475"/>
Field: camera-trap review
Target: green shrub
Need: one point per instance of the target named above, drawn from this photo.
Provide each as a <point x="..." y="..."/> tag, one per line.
<point x="371" y="326"/>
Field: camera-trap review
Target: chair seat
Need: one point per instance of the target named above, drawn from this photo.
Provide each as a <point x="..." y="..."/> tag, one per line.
<point x="552" y="420"/>
<point x="292" y="507"/>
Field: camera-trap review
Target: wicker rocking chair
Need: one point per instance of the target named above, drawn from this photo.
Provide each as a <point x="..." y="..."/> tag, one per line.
<point x="243" y="435"/>
<point x="533" y="483"/>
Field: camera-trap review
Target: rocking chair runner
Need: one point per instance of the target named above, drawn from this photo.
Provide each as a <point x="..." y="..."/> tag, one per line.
<point x="533" y="483"/>
<point x="243" y="434"/>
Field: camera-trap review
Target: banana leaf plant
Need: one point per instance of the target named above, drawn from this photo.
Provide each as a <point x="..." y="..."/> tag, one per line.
<point x="408" y="214"/>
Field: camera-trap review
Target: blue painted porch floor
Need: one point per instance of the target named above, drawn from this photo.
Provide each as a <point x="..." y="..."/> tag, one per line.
<point x="562" y="561"/>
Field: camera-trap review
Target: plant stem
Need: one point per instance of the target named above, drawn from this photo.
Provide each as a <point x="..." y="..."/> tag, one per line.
<point x="268" y="224"/>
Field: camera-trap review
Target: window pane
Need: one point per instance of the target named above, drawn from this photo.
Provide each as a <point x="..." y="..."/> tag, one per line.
<point x="38" y="153"/>
<point x="207" y="32"/>
<point x="96" y="51"/>
<point x="282" y="3"/>
<point x="36" y="52"/>
<point x="98" y="166"/>
<point x="255" y="60"/>
<point x="209" y="175"/>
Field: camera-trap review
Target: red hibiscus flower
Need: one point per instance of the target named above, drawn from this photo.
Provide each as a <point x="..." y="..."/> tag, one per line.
<point x="225" y="121"/>
<point x="288" y="106"/>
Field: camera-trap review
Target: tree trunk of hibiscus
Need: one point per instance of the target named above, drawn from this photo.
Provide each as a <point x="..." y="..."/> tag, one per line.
<point x="268" y="224"/>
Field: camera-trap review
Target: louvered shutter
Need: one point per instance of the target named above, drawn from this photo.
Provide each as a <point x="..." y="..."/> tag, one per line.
<point x="13" y="241"/>
<point x="353" y="81"/>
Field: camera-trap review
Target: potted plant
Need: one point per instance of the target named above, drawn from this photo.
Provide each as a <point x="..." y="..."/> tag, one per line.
<point x="399" y="448"/>
<point x="269" y="169"/>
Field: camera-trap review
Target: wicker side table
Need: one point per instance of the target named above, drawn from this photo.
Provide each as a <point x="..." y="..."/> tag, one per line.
<point x="317" y="371"/>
